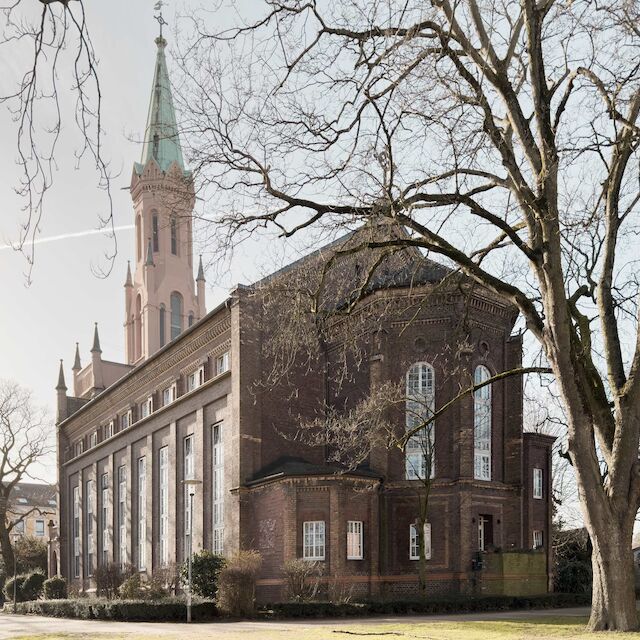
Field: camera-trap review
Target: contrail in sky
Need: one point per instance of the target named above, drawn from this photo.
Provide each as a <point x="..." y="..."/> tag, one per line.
<point x="67" y="236"/>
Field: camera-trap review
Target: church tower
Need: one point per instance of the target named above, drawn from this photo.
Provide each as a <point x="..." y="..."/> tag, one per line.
<point x="161" y="298"/>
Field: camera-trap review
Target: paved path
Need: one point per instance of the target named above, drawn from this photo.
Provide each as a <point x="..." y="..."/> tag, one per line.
<point x="13" y="626"/>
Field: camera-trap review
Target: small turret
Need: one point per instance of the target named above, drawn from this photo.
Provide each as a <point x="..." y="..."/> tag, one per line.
<point x="149" y="261"/>
<point x="77" y="366"/>
<point x="96" y="361"/>
<point x="61" y="391"/>
<point x="200" y="282"/>
<point x="129" y="281"/>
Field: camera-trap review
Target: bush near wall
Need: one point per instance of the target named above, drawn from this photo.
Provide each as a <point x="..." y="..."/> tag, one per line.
<point x="457" y="604"/>
<point x="55" y="588"/>
<point x="173" y="610"/>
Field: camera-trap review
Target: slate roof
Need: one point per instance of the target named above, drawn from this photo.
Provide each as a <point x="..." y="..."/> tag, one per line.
<point x="32" y="494"/>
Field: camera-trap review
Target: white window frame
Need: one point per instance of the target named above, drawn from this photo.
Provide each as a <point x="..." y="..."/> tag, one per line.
<point x="355" y="540"/>
<point x="122" y="514"/>
<point x="195" y="379"/>
<point x="222" y="363"/>
<point x="163" y="506"/>
<point x="218" y="488"/>
<point x="538" y="539"/>
<point x="169" y="394"/>
<point x="104" y="506"/>
<point x="108" y="429"/>
<point x="414" y="547"/>
<point x="419" y="405"/>
<point x="482" y="533"/>
<point x="142" y="513"/>
<point x="146" y="407"/>
<point x="482" y="425"/>
<point x="90" y="488"/>
<point x="76" y="531"/>
<point x="538" y="486"/>
<point x="126" y="420"/>
<point x="79" y="448"/>
<point x="38" y="534"/>
<point x="188" y="473"/>
<point x="313" y="540"/>
<point x="93" y="439"/>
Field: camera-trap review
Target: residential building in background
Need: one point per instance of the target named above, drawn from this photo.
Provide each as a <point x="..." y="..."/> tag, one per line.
<point x="189" y="403"/>
<point x="32" y="506"/>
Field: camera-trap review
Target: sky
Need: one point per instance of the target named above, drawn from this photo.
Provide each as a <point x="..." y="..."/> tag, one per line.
<point x="40" y="323"/>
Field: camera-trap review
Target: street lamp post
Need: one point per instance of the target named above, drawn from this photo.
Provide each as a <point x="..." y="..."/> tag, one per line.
<point x="15" y="573"/>
<point x="191" y="490"/>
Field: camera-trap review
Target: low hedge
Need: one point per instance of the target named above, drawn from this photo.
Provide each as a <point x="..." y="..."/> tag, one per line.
<point x="456" y="604"/>
<point x="174" y="610"/>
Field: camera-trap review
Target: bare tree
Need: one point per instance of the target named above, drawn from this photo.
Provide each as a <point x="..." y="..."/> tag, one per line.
<point x="25" y="439"/>
<point x="52" y="41"/>
<point x="503" y="136"/>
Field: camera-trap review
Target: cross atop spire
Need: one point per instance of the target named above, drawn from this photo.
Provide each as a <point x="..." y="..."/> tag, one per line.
<point x="158" y="17"/>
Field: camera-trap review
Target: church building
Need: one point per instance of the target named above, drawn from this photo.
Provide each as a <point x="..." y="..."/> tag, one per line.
<point x="188" y="413"/>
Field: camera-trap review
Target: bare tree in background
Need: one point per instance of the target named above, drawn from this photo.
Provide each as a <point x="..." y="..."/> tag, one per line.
<point x="51" y="41"/>
<point x="25" y="439"/>
<point x="503" y="136"/>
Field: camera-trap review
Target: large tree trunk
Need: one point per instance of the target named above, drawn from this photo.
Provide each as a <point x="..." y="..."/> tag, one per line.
<point x="5" y="541"/>
<point x="613" y="605"/>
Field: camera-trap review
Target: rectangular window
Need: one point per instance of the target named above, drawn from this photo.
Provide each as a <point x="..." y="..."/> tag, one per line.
<point x="188" y="474"/>
<point x="93" y="439"/>
<point x="174" y="236"/>
<point x="354" y="540"/>
<point x="146" y="407"/>
<point x="163" y="487"/>
<point x="222" y="363"/>
<point x="154" y="232"/>
<point x="90" y="528"/>
<point x="18" y="527"/>
<point x="414" y="546"/>
<point x="39" y="528"/>
<point x="537" y="483"/>
<point x="142" y="512"/>
<point x="538" y="541"/>
<point x="169" y="394"/>
<point x="104" y="516"/>
<point x="122" y="515"/>
<point x="79" y="448"/>
<point x="313" y="540"/>
<point x="195" y="379"/>
<point x="76" y="532"/>
<point x="108" y="429"/>
<point x="127" y="420"/>
<point x="218" y="490"/>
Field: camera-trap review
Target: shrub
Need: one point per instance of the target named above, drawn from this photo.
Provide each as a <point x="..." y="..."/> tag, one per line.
<point x="32" y="585"/>
<point x="237" y="584"/>
<point x="156" y="588"/>
<point x="205" y="567"/>
<point x="31" y="555"/>
<point x="169" y="577"/>
<point x="131" y="588"/>
<point x="9" y="589"/>
<point x="55" y="588"/>
<point x="303" y="579"/>
<point x="109" y="577"/>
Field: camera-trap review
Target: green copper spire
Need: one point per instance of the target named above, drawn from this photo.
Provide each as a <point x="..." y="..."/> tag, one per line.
<point x="161" y="140"/>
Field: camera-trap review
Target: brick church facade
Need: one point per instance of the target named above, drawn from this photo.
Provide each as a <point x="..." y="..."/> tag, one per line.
<point x="189" y="404"/>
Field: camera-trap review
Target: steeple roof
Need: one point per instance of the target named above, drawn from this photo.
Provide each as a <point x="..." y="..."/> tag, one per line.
<point x="61" y="386"/>
<point x="161" y="139"/>
<point x="96" y="340"/>
<point x="76" y="363"/>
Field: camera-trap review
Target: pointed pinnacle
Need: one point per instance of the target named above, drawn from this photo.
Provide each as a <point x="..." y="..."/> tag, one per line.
<point x="149" y="261"/>
<point x="200" y="270"/>
<point x="76" y="363"/>
<point x="61" y="386"/>
<point x="96" y="341"/>
<point x="128" y="281"/>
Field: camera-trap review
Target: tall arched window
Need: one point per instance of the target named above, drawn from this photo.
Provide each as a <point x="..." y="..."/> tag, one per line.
<point x="138" y="324"/>
<point x="163" y="323"/>
<point x="482" y="425"/>
<point x="420" y="405"/>
<point x="155" y="231"/>
<point x="174" y="235"/>
<point x="176" y="315"/>
<point x="191" y="318"/>
<point x="139" y="237"/>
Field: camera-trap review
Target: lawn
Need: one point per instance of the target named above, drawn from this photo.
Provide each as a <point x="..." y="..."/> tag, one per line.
<point x="570" y="628"/>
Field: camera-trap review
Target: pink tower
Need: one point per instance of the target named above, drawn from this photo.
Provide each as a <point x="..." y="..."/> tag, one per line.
<point x="161" y="299"/>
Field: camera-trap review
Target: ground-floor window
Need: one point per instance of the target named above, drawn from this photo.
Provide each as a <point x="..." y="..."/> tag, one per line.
<point x="354" y="540"/>
<point x="313" y="540"/>
<point x="538" y="539"/>
<point x="414" y="543"/>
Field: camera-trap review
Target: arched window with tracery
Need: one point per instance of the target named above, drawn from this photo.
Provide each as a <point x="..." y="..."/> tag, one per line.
<point x="174" y="235"/>
<point x="482" y="425"/>
<point x="138" y="325"/>
<point x="420" y="406"/>
<point x="176" y="315"/>
<point x="155" y="232"/>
